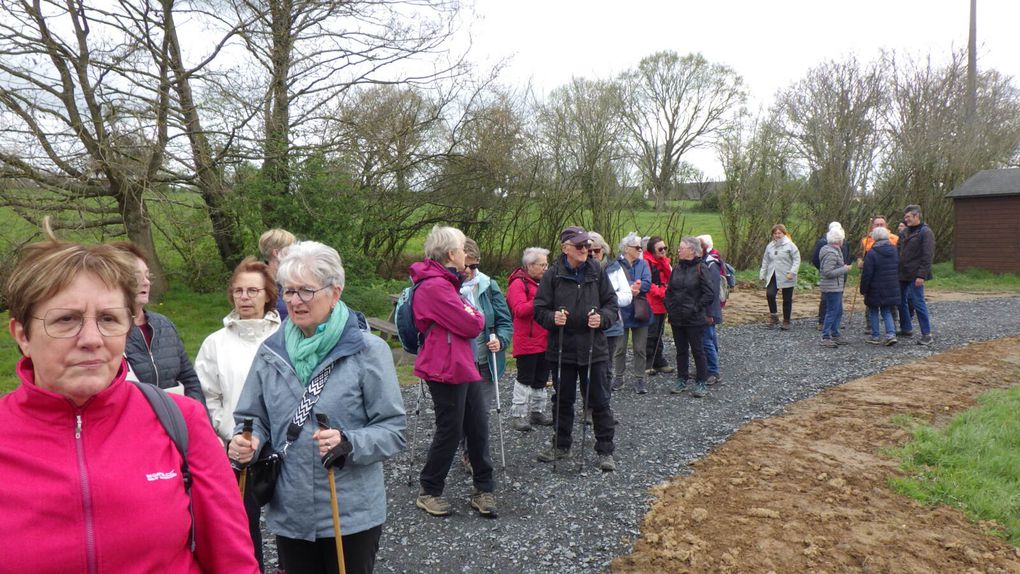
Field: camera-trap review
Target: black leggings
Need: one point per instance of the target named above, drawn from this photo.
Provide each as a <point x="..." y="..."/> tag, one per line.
<point x="319" y="556"/>
<point x="770" y="295"/>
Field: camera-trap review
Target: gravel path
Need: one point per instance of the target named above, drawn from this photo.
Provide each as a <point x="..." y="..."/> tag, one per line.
<point x="578" y="522"/>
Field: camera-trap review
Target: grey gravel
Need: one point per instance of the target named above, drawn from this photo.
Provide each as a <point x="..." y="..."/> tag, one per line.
<point x="578" y="521"/>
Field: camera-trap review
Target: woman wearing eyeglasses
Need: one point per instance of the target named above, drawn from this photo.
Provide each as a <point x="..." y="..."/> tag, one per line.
<point x="154" y="349"/>
<point x="661" y="269"/>
<point x="226" y="356"/>
<point x="91" y="479"/>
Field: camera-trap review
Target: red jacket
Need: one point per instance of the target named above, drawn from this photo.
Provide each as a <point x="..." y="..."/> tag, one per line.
<point x="98" y="488"/>
<point x="450" y="325"/>
<point x="661" y="270"/>
<point x="529" y="336"/>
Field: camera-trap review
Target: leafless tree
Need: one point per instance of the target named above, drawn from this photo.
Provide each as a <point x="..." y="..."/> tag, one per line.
<point x="674" y="104"/>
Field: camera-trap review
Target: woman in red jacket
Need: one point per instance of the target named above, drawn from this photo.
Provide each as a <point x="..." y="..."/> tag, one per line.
<point x="91" y="480"/>
<point x="655" y="256"/>
<point x="529" y="402"/>
<point x="446" y="362"/>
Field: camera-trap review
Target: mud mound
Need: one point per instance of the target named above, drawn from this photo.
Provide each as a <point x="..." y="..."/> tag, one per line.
<point x="808" y="491"/>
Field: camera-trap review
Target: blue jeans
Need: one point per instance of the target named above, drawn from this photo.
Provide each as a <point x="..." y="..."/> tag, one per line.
<point x="711" y="344"/>
<point x="912" y="295"/>
<point x="833" y="314"/>
<point x="890" y="327"/>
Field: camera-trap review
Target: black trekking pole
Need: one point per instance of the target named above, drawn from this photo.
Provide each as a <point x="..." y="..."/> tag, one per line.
<point x="559" y="391"/>
<point x="495" y="387"/>
<point x="414" y="434"/>
<point x="587" y="391"/>
<point x="658" y="343"/>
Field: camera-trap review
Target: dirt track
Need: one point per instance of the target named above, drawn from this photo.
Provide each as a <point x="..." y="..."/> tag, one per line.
<point x="808" y="491"/>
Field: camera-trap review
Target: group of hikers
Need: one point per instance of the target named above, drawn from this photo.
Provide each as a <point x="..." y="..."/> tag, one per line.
<point x="304" y="400"/>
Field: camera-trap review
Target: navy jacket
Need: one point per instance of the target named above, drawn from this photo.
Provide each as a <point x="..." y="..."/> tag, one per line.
<point x="164" y="364"/>
<point x="879" y="279"/>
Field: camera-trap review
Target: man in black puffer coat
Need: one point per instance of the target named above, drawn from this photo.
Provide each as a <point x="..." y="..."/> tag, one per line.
<point x="688" y="297"/>
<point x="880" y="285"/>
<point x="576" y="298"/>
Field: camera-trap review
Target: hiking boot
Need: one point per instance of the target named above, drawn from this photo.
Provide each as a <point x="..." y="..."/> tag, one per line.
<point x="666" y="369"/>
<point x="639" y="387"/>
<point x="925" y="340"/>
<point x="840" y="341"/>
<point x="617" y="383"/>
<point x="650" y="372"/>
<point x="679" y="386"/>
<point x="434" y="505"/>
<point x="714" y="379"/>
<point x="606" y="463"/>
<point x="699" y="390"/>
<point x="785" y="326"/>
<point x="520" y="424"/>
<point x="552" y="453"/>
<point x="484" y="503"/>
<point x="890" y="341"/>
<point x="907" y="334"/>
<point x="538" y="418"/>
<point x="874" y="341"/>
<point x="828" y="343"/>
<point x="773" y="320"/>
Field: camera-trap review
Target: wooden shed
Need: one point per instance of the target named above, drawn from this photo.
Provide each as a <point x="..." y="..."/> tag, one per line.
<point x="987" y="221"/>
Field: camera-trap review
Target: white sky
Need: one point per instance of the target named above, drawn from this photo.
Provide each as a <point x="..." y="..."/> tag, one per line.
<point x="771" y="43"/>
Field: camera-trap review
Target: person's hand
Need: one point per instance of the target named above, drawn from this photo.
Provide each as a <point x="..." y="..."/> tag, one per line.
<point x="918" y="282"/>
<point x="710" y="320"/>
<point x="848" y="268"/>
<point x="242" y="450"/>
<point x="635" y="287"/>
<point x="860" y="264"/>
<point x="789" y="276"/>
<point x="493" y="344"/>
<point x="594" y="320"/>
<point x="327" y="438"/>
<point x="560" y="317"/>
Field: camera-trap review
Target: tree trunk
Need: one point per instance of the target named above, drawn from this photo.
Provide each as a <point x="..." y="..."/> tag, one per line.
<point x="139" y="230"/>
<point x="276" y="156"/>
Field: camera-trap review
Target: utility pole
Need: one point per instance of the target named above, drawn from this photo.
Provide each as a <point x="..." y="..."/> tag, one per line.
<point x="971" y="106"/>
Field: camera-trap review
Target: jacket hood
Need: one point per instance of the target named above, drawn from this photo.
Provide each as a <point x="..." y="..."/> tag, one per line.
<point x="520" y="274"/>
<point x="251" y="329"/>
<point x="352" y="340"/>
<point x="431" y="268"/>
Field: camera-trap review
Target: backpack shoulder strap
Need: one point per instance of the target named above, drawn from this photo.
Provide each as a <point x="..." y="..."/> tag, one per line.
<point x="169" y="415"/>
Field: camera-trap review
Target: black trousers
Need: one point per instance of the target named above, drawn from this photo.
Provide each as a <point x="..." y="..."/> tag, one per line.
<point x="598" y="400"/>
<point x="692" y="338"/>
<point x="254" y="512"/>
<point x="461" y="410"/>
<point x="319" y="557"/>
<point x="653" y="348"/>
<point x="533" y="370"/>
<point x="770" y="295"/>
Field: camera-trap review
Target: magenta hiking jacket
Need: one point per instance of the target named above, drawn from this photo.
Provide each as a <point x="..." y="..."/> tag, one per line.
<point x="98" y="488"/>
<point x="450" y="325"/>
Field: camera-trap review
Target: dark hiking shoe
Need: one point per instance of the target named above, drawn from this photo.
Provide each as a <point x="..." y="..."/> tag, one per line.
<point x="699" y="390"/>
<point x="665" y="369"/>
<point x="890" y="341"/>
<point x="541" y="419"/>
<point x="679" y="386"/>
<point x="640" y="387"/>
<point x="773" y="321"/>
<point x="434" y="505"/>
<point x="925" y="340"/>
<point x="552" y="453"/>
<point x="484" y="503"/>
<point x="840" y="341"/>
<point x="520" y="424"/>
<point x="906" y="334"/>
<point x="606" y="463"/>
<point x="785" y="326"/>
<point x="617" y="383"/>
<point x="874" y="341"/>
<point x="828" y="343"/>
<point x="714" y="379"/>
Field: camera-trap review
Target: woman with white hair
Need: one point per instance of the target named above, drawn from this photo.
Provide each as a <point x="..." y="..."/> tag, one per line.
<point x="880" y="284"/>
<point x="530" y="401"/>
<point x="833" y="270"/>
<point x="322" y="361"/>
<point x="638" y="278"/>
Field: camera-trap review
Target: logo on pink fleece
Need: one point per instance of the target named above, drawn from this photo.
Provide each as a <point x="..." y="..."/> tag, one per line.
<point x="161" y="475"/>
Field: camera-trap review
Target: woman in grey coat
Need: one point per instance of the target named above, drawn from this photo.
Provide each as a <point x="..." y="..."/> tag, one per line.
<point x="833" y="272"/>
<point x="361" y="399"/>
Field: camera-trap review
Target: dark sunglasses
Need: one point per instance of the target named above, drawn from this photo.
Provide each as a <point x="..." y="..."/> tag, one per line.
<point x="581" y="247"/>
<point x="473" y="266"/>
<point x="596" y="250"/>
<point x="662" y="249"/>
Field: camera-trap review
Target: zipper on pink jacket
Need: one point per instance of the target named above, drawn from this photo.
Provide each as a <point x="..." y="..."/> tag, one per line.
<point x="86" y="499"/>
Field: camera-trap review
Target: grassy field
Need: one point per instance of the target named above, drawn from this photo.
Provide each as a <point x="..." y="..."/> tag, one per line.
<point x="970" y="464"/>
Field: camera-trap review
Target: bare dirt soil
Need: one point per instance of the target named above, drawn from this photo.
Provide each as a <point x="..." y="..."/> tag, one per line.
<point x="809" y="491"/>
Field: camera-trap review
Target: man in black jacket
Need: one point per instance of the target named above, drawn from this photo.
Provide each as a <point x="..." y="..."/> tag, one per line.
<point x="575" y="302"/>
<point x="917" y="250"/>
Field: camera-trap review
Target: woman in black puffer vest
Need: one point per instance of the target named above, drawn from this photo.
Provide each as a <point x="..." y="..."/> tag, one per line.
<point x="688" y="297"/>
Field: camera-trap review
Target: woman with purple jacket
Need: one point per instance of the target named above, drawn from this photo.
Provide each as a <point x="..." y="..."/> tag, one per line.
<point x="446" y="362"/>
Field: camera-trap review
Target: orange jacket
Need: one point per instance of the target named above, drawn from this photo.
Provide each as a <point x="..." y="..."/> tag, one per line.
<point x="867" y="242"/>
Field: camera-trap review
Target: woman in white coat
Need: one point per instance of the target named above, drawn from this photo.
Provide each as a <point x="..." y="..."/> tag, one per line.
<point x="779" y="266"/>
<point x="226" y="356"/>
<point x="624" y="295"/>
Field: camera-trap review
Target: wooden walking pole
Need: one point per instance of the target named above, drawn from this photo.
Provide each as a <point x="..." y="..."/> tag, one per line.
<point x="336" y="524"/>
<point x="243" y="480"/>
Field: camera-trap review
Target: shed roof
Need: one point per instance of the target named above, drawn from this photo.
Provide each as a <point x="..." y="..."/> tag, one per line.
<point x="989" y="182"/>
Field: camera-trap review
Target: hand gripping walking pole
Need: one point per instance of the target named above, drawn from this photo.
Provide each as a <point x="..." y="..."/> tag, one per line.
<point x="337" y="535"/>
<point x="246" y="433"/>
<point x="558" y="389"/>
<point x="587" y="391"/>
<point x="414" y="434"/>
<point x="495" y="386"/>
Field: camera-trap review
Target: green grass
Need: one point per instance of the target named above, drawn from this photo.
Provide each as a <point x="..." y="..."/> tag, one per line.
<point x="970" y="464"/>
<point x="972" y="279"/>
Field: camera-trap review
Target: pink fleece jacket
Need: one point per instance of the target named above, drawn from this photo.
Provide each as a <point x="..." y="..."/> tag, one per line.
<point x="450" y="323"/>
<point x="98" y="488"/>
<point x="529" y="336"/>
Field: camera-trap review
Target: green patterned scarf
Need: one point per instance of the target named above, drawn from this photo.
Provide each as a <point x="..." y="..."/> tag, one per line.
<point x="307" y="352"/>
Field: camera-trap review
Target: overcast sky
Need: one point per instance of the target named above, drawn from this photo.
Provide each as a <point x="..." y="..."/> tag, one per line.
<point x="771" y="43"/>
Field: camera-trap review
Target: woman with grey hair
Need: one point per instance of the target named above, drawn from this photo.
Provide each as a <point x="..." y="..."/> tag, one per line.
<point x="833" y="271"/>
<point x="688" y="298"/>
<point x="625" y="291"/>
<point x="529" y="343"/>
<point x="880" y="285"/>
<point x="446" y="362"/>
<point x="325" y="358"/>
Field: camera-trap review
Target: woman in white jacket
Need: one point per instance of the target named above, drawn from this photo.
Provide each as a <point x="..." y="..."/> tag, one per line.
<point x="779" y="267"/>
<point x="624" y="294"/>
<point x="226" y="356"/>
